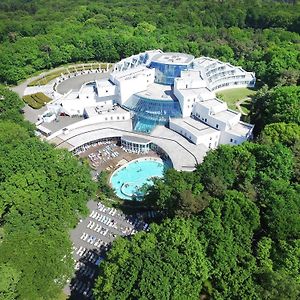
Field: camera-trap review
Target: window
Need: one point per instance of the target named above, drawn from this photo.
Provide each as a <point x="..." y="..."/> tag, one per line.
<point x="210" y="138"/>
<point x="105" y="119"/>
<point x="205" y="120"/>
<point x="231" y="140"/>
<point x="111" y="118"/>
<point x="217" y="126"/>
<point x="123" y="118"/>
<point x="209" y="146"/>
<point x="118" y="117"/>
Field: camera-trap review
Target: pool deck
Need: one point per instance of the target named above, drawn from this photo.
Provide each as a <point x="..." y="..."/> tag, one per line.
<point x="184" y="155"/>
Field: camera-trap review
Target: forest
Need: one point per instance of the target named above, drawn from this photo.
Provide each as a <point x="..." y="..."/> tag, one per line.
<point x="261" y="36"/>
<point x="230" y="228"/>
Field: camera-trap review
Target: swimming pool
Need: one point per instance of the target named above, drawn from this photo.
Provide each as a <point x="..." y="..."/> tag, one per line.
<point x="128" y="179"/>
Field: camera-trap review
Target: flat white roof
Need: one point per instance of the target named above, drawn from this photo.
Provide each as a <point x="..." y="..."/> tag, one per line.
<point x="212" y="103"/>
<point x="173" y="58"/>
<point x="241" y="128"/>
<point x="225" y="115"/>
<point x="104" y="110"/>
<point x="157" y="92"/>
<point x="195" y="127"/>
<point x="204" y="93"/>
<point x="103" y="83"/>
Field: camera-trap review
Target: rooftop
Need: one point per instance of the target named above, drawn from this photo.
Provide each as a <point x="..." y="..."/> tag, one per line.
<point x="203" y="93"/>
<point x="226" y="115"/>
<point x="103" y="83"/>
<point x="212" y="103"/>
<point x="241" y="128"/>
<point x="172" y="58"/>
<point x="157" y="92"/>
<point x="195" y="127"/>
<point x="108" y="110"/>
<point x="170" y="141"/>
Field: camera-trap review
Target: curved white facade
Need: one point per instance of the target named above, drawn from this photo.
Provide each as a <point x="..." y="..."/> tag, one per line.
<point x="171" y="89"/>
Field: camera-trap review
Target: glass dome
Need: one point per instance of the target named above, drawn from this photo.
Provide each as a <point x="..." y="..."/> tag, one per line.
<point x="166" y="73"/>
<point x="151" y="112"/>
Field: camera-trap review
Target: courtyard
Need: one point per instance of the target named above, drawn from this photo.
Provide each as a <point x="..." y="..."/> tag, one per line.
<point x="108" y="155"/>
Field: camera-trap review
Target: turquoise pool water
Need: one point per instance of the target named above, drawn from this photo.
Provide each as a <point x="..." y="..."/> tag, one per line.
<point x="127" y="180"/>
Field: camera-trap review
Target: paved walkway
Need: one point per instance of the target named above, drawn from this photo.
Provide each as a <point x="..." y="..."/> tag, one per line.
<point x="238" y="105"/>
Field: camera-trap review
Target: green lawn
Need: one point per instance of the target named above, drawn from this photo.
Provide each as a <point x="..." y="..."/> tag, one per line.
<point x="233" y="95"/>
<point x="47" y="78"/>
<point x="62" y="296"/>
<point x="73" y="68"/>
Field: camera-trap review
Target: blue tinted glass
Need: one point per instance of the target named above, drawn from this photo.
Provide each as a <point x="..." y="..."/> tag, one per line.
<point x="148" y="112"/>
<point x="165" y="74"/>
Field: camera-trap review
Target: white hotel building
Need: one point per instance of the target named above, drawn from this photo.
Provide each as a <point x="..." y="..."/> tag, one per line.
<point x="171" y="89"/>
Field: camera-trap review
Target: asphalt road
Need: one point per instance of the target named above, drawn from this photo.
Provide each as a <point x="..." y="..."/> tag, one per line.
<point x="75" y="83"/>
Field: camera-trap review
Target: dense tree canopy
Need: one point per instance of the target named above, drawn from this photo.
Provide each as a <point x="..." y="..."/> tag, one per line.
<point x="230" y="229"/>
<point x="246" y="209"/>
<point x="280" y="104"/>
<point x="261" y="36"/>
<point x="43" y="192"/>
<point x="167" y="263"/>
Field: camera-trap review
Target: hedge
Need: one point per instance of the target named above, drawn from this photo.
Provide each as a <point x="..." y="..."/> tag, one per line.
<point x="36" y="100"/>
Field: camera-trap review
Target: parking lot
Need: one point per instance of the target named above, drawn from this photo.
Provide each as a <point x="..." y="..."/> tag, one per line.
<point x="92" y="238"/>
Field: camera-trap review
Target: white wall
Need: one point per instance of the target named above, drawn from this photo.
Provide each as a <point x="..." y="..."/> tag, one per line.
<point x="76" y="107"/>
<point x="181" y="100"/>
<point x="231" y="139"/>
<point x="210" y="140"/>
<point x="107" y="117"/>
<point x="187" y="82"/>
<point x="230" y="85"/>
<point x="186" y="102"/>
<point x="184" y="132"/>
<point x="203" y="113"/>
<point x="129" y="85"/>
